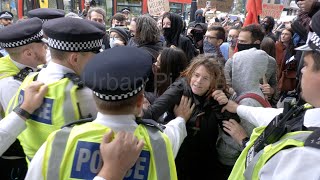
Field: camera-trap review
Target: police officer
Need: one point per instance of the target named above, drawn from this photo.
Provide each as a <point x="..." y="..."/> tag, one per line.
<point x="72" y="43"/>
<point x="285" y="147"/>
<point x="118" y="90"/>
<point x="23" y="42"/>
<point x="6" y="18"/>
<point x="46" y="14"/>
<point x="121" y="153"/>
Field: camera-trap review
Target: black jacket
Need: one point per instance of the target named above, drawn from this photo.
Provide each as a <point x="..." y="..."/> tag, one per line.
<point x="199" y="148"/>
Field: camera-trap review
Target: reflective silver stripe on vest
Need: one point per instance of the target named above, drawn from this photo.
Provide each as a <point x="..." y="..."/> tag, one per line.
<point x="248" y="173"/>
<point x="57" y="151"/>
<point x="67" y="104"/>
<point x="159" y="153"/>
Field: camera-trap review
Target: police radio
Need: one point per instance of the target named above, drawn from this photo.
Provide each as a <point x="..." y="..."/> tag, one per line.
<point x="275" y="129"/>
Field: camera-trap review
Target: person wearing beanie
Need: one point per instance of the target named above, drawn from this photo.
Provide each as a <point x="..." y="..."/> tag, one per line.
<point x="118" y="37"/>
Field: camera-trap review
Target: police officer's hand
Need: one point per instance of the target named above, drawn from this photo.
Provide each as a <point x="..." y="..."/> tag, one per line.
<point x="119" y="155"/>
<point x="33" y="96"/>
<point x="235" y="130"/>
<point x="231" y="106"/>
<point x="184" y="109"/>
<point x="220" y="96"/>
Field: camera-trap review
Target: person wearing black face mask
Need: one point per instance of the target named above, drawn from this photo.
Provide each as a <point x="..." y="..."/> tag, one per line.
<point x="198" y="18"/>
<point x="268" y="24"/>
<point x="249" y="40"/>
<point x="197" y="35"/>
<point x="172" y="26"/>
<point x="246" y="68"/>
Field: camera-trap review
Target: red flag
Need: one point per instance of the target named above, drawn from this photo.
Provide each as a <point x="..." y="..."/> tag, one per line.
<point x="254" y="9"/>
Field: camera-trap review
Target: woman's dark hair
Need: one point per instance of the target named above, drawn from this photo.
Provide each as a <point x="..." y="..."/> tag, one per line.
<point x="290" y="48"/>
<point x="214" y="68"/>
<point x="146" y="30"/>
<point x="172" y="62"/>
<point x="268" y="46"/>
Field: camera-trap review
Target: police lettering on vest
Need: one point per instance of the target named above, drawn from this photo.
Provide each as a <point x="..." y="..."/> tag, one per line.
<point x="44" y="113"/>
<point x="87" y="163"/>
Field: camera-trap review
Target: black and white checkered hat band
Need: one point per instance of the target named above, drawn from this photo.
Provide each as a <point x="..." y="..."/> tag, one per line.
<point x="74" y="46"/>
<point x="315" y="39"/>
<point x="118" y="97"/>
<point x="34" y="38"/>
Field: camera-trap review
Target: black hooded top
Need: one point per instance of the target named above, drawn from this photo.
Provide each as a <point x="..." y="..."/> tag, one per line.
<point x="173" y="35"/>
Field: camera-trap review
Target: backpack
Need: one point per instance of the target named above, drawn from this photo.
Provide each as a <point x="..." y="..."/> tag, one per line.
<point x="265" y="103"/>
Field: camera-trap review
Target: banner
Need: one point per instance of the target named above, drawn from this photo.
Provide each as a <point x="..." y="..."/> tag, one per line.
<point x="221" y="5"/>
<point x="272" y="8"/>
<point x="156" y="7"/>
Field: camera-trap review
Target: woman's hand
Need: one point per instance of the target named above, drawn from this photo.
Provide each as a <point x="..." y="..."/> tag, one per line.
<point x="220" y="96"/>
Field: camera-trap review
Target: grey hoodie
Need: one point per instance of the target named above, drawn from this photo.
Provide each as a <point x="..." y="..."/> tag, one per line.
<point x="245" y="68"/>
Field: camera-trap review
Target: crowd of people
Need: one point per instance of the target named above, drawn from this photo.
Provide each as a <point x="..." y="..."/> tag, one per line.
<point x="156" y="98"/>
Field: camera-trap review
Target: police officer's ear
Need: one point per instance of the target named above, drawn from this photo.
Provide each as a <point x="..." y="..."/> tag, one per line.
<point x="27" y="52"/>
<point x="140" y="99"/>
<point x="73" y="60"/>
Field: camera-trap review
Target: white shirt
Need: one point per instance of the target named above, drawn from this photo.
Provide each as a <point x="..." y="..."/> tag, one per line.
<point x="10" y="127"/>
<point x="9" y="87"/>
<point x="54" y="72"/>
<point x="292" y="163"/>
<point x="175" y="130"/>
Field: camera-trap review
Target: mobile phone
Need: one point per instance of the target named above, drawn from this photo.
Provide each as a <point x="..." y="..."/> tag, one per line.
<point x="208" y="4"/>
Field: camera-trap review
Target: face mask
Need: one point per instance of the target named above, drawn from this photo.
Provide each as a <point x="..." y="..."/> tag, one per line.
<point x="112" y="42"/>
<point x="242" y="47"/>
<point x="209" y="48"/>
<point x="198" y="19"/>
<point x="265" y="26"/>
<point x="232" y="41"/>
<point x="166" y="32"/>
<point x="198" y="36"/>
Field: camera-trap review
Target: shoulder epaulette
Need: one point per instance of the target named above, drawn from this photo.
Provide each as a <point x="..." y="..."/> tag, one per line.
<point x="75" y="79"/>
<point x="22" y="74"/>
<point x="151" y="123"/>
<point x="313" y="139"/>
<point x="77" y="122"/>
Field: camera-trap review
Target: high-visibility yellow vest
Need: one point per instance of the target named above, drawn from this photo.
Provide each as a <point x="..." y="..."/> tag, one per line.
<point x="7" y="67"/>
<point x="59" y="107"/>
<point x="242" y="172"/>
<point x="73" y="153"/>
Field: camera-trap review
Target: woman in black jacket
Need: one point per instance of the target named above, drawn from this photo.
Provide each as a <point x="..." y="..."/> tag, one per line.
<point x="172" y="27"/>
<point x="204" y="82"/>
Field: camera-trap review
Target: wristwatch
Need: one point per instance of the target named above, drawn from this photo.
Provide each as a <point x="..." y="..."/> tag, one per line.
<point x="244" y="141"/>
<point x="21" y="112"/>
